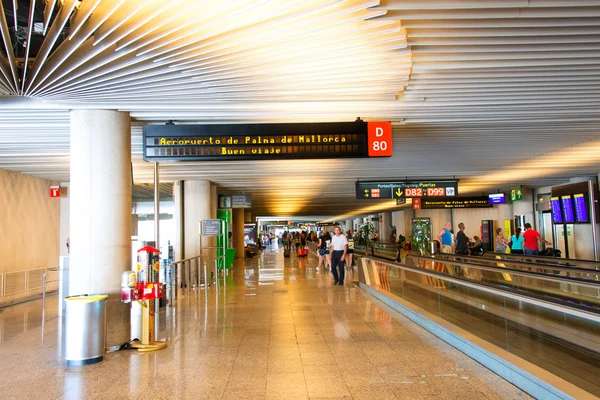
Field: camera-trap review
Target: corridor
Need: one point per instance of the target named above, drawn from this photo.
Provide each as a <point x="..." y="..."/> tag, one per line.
<point x="279" y="330"/>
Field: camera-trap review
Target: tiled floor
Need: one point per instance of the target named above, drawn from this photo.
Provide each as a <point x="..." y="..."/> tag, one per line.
<point x="281" y="331"/>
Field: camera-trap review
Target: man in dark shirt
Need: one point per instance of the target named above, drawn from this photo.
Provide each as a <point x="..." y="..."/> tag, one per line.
<point x="462" y="241"/>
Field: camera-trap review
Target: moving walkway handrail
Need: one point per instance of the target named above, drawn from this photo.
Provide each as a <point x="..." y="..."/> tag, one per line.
<point x="492" y="290"/>
<point x="567" y="262"/>
<point x="529" y="274"/>
<point x="519" y="263"/>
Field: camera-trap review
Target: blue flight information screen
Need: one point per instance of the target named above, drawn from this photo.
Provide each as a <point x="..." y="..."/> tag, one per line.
<point x="557" y="216"/>
<point x="568" y="212"/>
<point x="581" y="211"/>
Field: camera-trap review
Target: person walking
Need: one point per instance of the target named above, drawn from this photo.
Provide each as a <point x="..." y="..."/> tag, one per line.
<point x="350" y="252"/>
<point x="500" y="244"/>
<point x="516" y="242"/>
<point x="462" y="241"/>
<point x="339" y="248"/>
<point x="532" y="237"/>
<point x="324" y="253"/>
<point x="446" y="240"/>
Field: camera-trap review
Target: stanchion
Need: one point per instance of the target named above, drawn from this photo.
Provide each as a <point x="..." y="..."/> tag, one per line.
<point x="205" y="285"/>
<point x="44" y="307"/>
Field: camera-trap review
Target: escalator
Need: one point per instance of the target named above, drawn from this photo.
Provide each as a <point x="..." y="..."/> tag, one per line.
<point x="546" y="315"/>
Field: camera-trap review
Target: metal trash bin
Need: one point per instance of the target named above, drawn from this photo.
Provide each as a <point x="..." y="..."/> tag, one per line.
<point x="434" y="247"/>
<point x="85" y="329"/>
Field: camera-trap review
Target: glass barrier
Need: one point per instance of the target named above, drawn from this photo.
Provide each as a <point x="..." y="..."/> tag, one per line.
<point x="563" y="340"/>
<point x="572" y="291"/>
<point x="566" y="262"/>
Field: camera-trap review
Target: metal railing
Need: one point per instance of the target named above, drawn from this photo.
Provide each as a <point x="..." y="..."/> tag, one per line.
<point x="45" y="283"/>
<point x="186" y="266"/>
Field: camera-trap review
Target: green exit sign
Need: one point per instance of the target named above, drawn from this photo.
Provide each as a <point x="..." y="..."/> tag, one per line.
<point x="516" y="194"/>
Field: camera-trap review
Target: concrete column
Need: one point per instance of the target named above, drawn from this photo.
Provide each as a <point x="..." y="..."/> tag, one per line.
<point x="100" y="193"/>
<point x="65" y="218"/>
<point x="385" y="222"/>
<point x="349" y="225"/>
<point x="197" y="206"/>
<point x="178" y="217"/>
<point x="238" y="232"/>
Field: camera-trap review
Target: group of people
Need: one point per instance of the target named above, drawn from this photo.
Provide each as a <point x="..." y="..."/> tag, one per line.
<point x="525" y="243"/>
<point x="459" y="243"/>
<point x="324" y="249"/>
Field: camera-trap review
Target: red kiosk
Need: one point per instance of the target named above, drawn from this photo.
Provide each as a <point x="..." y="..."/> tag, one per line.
<point x="143" y="286"/>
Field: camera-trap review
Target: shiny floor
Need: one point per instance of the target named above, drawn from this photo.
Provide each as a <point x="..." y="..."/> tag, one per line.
<point x="280" y="330"/>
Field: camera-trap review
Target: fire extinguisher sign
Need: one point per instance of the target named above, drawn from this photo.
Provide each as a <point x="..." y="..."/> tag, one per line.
<point x="380" y="139"/>
<point x="54" y="191"/>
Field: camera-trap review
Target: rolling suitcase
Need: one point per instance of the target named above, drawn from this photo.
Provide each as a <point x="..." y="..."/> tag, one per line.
<point x="302" y="252"/>
<point x="286" y="253"/>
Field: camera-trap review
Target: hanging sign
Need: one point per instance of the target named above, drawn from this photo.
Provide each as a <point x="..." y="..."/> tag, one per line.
<point x="241" y="201"/>
<point x="458" y="202"/>
<point x="210" y="227"/>
<point x="267" y="141"/>
<point x="405" y="189"/>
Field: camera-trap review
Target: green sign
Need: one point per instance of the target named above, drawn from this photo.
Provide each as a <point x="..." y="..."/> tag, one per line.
<point x="516" y="194"/>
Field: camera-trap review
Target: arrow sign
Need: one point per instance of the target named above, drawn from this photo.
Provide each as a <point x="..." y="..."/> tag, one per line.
<point x="399" y="192"/>
<point x="366" y="192"/>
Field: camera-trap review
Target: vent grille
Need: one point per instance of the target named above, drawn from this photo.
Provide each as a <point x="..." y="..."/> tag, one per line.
<point x="15" y="282"/>
<point x="35" y="278"/>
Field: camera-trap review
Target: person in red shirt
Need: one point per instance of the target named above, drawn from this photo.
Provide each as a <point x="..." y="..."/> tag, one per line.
<point x="532" y="237"/>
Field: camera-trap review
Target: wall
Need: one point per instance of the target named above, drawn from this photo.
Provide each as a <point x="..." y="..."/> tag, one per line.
<point x="29" y="227"/>
<point x="472" y="217"/>
<point x="398" y="222"/>
<point x="438" y="219"/>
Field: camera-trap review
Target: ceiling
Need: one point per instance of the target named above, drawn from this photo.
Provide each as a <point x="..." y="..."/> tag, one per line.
<point x="496" y="93"/>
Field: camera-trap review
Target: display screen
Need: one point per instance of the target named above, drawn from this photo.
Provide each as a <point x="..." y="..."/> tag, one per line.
<point x="261" y="141"/>
<point x="557" y="216"/>
<point x="568" y="213"/>
<point x="497" y="198"/>
<point x="581" y="210"/>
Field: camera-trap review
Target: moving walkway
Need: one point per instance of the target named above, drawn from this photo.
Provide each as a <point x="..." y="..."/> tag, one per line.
<point x="548" y="316"/>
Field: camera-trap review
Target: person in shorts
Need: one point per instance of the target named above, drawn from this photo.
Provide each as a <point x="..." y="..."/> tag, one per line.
<point x="350" y="251"/>
<point x="446" y="239"/>
<point x="324" y="253"/>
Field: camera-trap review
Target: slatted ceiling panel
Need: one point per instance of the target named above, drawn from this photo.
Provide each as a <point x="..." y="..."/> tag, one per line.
<point x="472" y="88"/>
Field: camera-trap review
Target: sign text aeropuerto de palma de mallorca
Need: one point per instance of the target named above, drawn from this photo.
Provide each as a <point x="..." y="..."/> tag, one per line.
<point x="267" y="141"/>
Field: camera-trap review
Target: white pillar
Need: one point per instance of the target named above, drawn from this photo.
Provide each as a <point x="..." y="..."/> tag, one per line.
<point x="197" y="206"/>
<point x="385" y="223"/>
<point x="237" y="222"/>
<point x="64" y="218"/>
<point x="100" y="192"/>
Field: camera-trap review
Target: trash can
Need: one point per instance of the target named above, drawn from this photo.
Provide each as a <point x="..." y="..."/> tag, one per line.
<point x="85" y="329"/>
<point x="434" y="247"/>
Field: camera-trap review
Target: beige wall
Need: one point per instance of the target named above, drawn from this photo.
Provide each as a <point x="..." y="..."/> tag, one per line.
<point x="29" y="226"/>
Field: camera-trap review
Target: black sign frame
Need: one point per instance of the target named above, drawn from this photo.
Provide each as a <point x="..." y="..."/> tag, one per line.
<point x="319" y="140"/>
<point x="388" y="189"/>
<point x="477" y="202"/>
